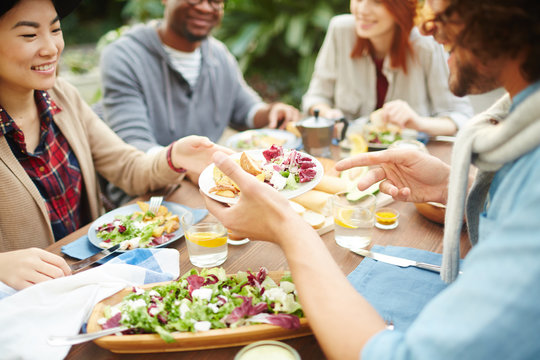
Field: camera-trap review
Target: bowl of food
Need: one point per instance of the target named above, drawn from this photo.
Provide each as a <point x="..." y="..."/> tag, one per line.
<point x="432" y="211"/>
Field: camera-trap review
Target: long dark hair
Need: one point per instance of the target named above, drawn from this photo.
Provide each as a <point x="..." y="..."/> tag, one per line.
<point x="63" y="7"/>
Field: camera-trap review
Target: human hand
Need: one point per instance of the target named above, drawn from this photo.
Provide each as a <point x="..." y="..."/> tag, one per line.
<point x="260" y="213"/>
<point x="327" y="112"/>
<point x="399" y="113"/>
<point x="281" y="114"/>
<point x="332" y="114"/>
<point x="23" y="268"/>
<point x="408" y="175"/>
<point x="194" y="153"/>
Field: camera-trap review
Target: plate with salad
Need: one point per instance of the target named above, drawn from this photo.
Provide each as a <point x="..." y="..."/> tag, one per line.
<point x="262" y="139"/>
<point x="201" y="310"/>
<point x="133" y="226"/>
<point x="289" y="171"/>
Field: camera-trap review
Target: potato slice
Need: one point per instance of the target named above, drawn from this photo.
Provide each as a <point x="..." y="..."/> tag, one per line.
<point x="143" y="206"/>
<point x="171" y="226"/>
<point x="158" y="231"/>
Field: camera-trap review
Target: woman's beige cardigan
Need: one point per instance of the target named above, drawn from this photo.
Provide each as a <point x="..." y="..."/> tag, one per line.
<point x="24" y="221"/>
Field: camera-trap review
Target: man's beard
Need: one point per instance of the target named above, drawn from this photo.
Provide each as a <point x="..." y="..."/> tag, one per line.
<point x="191" y="37"/>
<point x="468" y="80"/>
<point x="194" y="38"/>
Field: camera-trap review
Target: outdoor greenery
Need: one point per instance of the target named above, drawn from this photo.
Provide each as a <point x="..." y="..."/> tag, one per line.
<point x="275" y="41"/>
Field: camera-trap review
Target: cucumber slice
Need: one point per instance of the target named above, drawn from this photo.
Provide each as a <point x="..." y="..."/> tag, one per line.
<point x="354" y="194"/>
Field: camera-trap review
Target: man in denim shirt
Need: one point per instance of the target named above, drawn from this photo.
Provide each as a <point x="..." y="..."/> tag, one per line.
<point x="490" y="310"/>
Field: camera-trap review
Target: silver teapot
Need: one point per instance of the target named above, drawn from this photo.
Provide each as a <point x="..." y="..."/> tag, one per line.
<point x="317" y="133"/>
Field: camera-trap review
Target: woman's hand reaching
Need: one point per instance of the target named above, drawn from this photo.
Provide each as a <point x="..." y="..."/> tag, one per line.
<point x="23" y="268"/>
<point x="194" y="153"/>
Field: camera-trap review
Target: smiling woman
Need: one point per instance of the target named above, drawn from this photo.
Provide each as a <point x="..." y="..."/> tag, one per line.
<point x="49" y="139"/>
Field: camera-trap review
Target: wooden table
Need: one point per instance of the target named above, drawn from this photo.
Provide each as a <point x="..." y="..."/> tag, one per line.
<point x="413" y="231"/>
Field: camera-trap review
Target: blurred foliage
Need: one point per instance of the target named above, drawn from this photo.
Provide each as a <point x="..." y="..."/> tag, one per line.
<point x="275" y="41"/>
<point x="142" y="10"/>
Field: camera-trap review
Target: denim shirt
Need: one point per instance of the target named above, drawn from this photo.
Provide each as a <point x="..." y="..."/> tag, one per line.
<point x="492" y="310"/>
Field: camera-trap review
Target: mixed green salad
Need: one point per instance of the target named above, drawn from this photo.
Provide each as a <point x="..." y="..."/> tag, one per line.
<point x="205" y="300"/>
<point x="140" y="229"/>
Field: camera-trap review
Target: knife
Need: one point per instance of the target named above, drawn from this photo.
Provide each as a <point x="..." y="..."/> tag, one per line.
<point x="394" y="260"/>
<point x="79" y="265"/>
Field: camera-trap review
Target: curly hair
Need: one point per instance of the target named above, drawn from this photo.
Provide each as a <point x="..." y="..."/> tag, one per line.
<point x="500" y="28"/>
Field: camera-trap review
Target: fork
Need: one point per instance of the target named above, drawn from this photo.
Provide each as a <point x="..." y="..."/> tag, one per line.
<point x="80" y="338"/>
<point x="155" y="203"/>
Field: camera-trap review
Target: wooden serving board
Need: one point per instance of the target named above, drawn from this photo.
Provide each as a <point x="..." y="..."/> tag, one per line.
<point x="184" y="341"/>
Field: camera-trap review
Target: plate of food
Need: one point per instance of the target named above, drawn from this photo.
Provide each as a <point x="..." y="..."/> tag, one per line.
<point x="202" y="310"/>
<point x="380" y="135"/>
<point x="289" y="171"/>
<point x="133" y="226"/>
<point x="263" y="139"/>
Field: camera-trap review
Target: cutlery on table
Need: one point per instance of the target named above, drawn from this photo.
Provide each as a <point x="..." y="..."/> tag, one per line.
<point x="79" y="265"/>
<point x="80" y="338"/>
<point x="394" y="260"/>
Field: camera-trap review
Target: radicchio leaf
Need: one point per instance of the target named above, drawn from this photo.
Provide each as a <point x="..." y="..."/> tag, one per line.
<point x="286" y="321"/>
<point x="273" y="152"/>
<point x="246" y="310"/>
<point x="114" y="321"/>
<point x="162" y="239"/>
<point x="211" y="279"/>
<point x="195" y="282"/>
<point x="306" y="175"/>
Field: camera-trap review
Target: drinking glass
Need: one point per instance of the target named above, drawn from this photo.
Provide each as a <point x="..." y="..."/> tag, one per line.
<point x="206" y="241"/>
<point x="354" y="219"/>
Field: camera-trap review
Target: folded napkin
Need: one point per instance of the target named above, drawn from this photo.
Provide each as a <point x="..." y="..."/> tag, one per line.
<point x="83" y="248"/>
<point x="62" y="306"/>
<point x="397" y="293"/>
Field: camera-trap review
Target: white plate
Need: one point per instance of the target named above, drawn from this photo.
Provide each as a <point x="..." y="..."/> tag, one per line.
<point x="206" y="180"/>
<point x="290" y="140"/>
<point x="130" y="209"/>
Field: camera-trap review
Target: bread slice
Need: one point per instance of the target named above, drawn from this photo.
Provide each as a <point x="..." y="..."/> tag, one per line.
<point x="314" y="219"/>
<point x="250" y="165"/>
<point x="299" y="209"/>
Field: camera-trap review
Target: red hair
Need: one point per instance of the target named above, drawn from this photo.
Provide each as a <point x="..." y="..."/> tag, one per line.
<point x="403" y="12"/>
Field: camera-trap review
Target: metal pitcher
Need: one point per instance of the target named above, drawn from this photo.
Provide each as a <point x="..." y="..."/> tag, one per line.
<point x="317" y="134"/>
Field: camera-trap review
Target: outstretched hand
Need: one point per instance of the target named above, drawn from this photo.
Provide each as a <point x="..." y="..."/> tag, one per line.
<point x="23" y="268"/>
<point x="408" y="175"/>
<point x="194" y="153"/>
<point x="261" y="212"/>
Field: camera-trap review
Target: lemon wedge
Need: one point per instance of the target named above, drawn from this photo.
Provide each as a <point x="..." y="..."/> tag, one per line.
<point x="359" y="144"/>
<point x="343" y="219"/>
<point x="207" y="239"/>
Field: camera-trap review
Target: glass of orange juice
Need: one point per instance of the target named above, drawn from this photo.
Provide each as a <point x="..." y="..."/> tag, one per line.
<point x="206" y="241"/>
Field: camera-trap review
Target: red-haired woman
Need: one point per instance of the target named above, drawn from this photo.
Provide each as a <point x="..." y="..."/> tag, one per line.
<point x="375" y="58"/>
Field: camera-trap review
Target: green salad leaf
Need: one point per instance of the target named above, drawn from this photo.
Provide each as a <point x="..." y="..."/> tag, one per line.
<point x="209" y="299"/>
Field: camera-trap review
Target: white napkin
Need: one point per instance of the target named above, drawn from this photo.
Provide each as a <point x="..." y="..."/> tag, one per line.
<point x="61" y="306"/>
